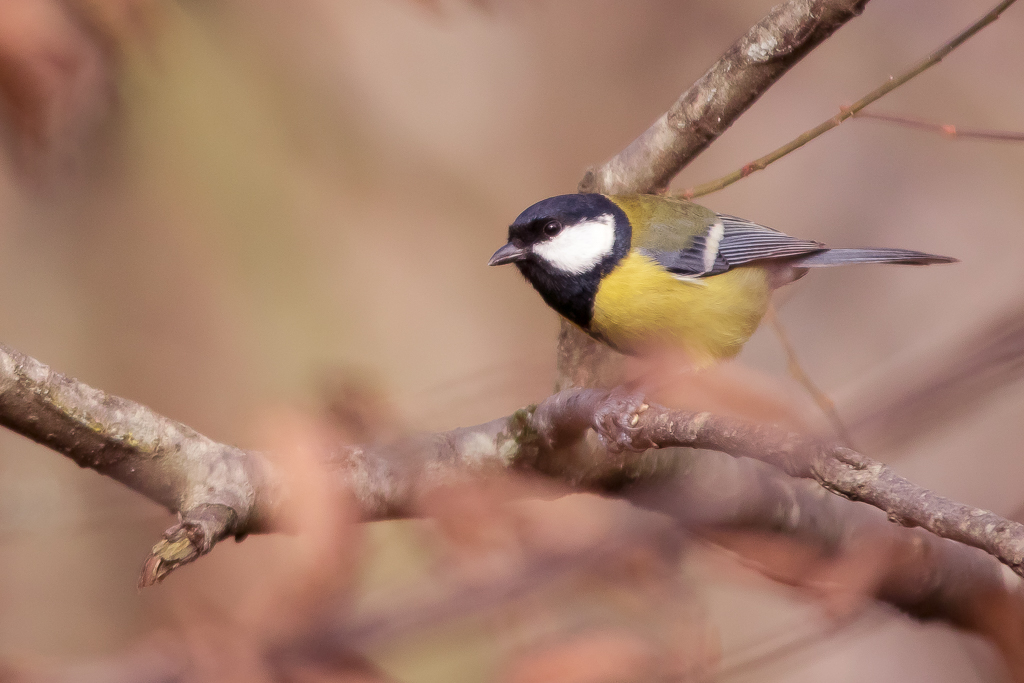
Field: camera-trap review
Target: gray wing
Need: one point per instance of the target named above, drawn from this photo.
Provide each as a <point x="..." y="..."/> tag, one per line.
<point x="731" y="242"/>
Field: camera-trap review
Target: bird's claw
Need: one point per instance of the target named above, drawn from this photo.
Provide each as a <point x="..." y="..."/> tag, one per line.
<point x="616" y="420"/>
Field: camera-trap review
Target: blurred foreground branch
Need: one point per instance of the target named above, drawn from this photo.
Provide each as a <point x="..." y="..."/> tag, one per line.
<point x="329" y="636"/>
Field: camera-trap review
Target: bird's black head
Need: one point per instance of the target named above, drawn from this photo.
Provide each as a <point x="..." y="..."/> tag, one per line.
<point x="564" y="245"/>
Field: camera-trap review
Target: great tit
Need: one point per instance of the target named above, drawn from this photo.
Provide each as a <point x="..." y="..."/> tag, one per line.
<point x="635" y="271"/>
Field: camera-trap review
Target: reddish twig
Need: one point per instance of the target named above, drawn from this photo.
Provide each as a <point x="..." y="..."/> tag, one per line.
<point x="946" y="129"/>
<point x="847" y="112"/>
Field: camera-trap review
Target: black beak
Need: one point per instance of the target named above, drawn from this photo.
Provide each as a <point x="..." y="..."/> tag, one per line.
<point x="508" y="254"/>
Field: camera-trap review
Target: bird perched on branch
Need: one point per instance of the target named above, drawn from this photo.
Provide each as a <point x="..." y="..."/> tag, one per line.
<point x="637" y="271"/>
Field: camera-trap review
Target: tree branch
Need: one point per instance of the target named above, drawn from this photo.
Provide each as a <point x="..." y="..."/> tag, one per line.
<point x="848" y="112"/>
<point x="220" y="490"/>
<point x="217" y="490"/>
<point x="922" y="574"/>
<point x="842" y="471"/>
<point x="751" y="66"/>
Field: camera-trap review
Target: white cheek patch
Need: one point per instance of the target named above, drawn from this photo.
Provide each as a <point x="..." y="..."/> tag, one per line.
<point x="580" y="247"/>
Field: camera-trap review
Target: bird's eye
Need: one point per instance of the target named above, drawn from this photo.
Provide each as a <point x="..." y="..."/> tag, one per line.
<point x="552" y="228"/>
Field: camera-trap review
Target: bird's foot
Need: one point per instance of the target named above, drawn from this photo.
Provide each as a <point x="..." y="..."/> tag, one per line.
<point x="615" y="421"/>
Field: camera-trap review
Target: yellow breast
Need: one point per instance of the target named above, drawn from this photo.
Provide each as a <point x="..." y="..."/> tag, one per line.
<point x="640" y="304"/>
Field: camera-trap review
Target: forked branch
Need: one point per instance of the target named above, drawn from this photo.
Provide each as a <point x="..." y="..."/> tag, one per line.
<point x="744" y="73"/>
<point x="850" y="111"/>
<point x="219" y="490"/>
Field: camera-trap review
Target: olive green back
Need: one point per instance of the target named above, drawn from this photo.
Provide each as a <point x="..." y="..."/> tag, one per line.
<point x="662" y="223"/>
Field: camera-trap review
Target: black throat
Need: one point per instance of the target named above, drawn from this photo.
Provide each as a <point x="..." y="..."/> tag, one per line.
<point x="573" y="295"/>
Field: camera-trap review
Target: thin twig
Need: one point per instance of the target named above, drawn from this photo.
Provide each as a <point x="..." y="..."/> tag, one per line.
<point x="847" y="112"/>
<point x="798" y="639"/>
<point x="796" y="370"/>
<point x="946" y="129"/>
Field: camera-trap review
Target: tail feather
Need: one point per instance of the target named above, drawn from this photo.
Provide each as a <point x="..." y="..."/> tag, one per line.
<point x="839" y="257"/>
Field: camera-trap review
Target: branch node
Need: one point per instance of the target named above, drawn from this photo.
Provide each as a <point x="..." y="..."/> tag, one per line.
<point x="849" y="458"/>
<point x="193" y="536"/>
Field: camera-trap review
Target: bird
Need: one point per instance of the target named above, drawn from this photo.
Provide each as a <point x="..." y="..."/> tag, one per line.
<point x="640" y="271"/>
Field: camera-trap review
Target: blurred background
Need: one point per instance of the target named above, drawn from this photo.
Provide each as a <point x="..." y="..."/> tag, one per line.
<point x="232" y="211"/>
